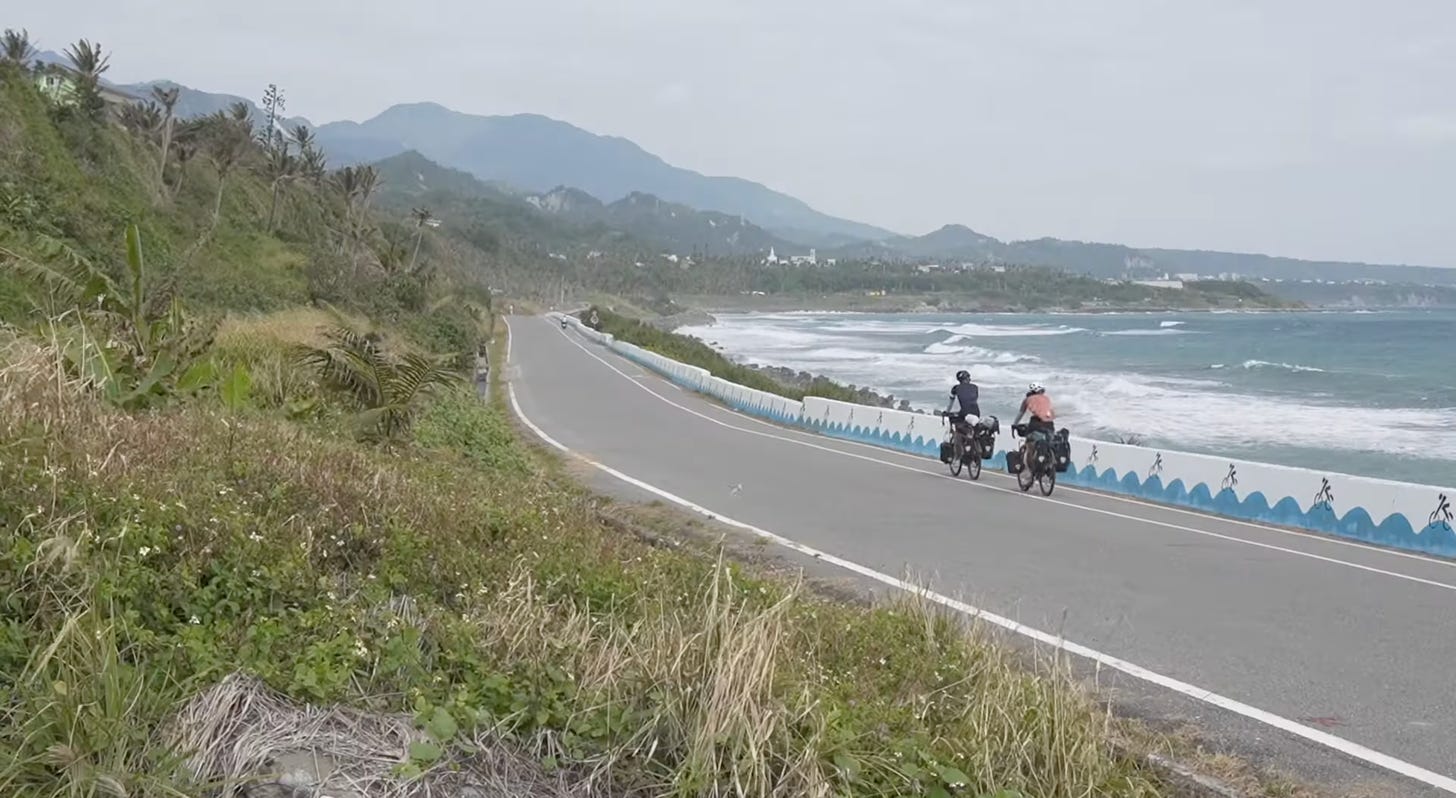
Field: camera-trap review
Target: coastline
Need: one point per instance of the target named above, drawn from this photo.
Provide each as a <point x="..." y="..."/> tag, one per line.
<point x="917" y="306"/>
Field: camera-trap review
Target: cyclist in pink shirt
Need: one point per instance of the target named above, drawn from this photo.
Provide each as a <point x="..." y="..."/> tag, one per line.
<point x="1042" y="419"/>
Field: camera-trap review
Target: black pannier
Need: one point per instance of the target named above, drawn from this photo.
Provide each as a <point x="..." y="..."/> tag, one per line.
<point x="1062" y="450"/>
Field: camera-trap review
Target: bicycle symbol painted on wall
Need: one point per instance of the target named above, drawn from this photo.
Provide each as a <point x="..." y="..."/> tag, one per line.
<point x="1325" y="499"/>
<point x="1231" y="480"/>
<point x="1157" y="467"/>
<point x="1442" y="515"/>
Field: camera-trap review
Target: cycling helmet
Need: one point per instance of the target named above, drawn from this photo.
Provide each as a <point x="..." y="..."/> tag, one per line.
<point x="962" y="375"/>
<point x="1035" y="387"/>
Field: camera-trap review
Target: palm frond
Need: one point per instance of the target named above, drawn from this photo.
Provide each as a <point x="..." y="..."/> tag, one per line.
<point x="417" y="375"/>
<point x="88" y="59"/>
<point x="166" y="98"/>
<point x="387" y="389"/>
<point x="16" y="47"/>
<point x="53" y="263"/>
<point x="352" y="362"/>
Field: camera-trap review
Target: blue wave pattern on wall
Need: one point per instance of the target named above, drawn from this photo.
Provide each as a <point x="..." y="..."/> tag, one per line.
<point x="1396" y="531"/>
<point x="1436" y="537"/>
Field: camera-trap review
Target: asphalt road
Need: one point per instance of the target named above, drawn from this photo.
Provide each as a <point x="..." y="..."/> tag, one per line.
<point x="1343" y="639"/>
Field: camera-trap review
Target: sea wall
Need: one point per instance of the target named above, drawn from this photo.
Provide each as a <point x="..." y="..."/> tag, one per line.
<point x="1395" y="514"/>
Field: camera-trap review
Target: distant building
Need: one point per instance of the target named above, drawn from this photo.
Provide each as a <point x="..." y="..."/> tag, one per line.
<point x="1176" y="284"/>
<point x="59" y="85"/>
<point x="812" y="259"/>
<point x="772" y="259"/>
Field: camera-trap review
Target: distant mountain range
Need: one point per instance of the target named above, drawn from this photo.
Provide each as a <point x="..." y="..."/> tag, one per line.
<point x="959" y="243"/>
<point x="530" y="159"/>
<point x="538" y="154"/>
<point x="650" y="223"/>
<point x="191" y="103"/>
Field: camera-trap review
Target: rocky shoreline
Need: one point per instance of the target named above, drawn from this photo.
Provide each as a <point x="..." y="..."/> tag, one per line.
<point x="687" y="318"/>
<point x="800" y="380"/>
<point x="804" y="381"/>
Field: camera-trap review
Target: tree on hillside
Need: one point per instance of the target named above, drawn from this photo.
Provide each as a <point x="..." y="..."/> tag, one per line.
<point x="225" y="139"/>
<point x="423" y="218"/>
<point x="312" y="162"/>
<point x="240" y="113"/>
<point x="273" y="103"/>
<point x="357" y="184"/>
<point x="16" y="47"/>
<point x="167" y="99"/>
<point x="186" y="150"/>
<point x="280" y="168"/>
<point x="89" y="63"/>
<point x="142" y="118"/>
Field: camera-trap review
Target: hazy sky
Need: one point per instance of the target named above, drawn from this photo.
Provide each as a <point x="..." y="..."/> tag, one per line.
<point x="1313" y="128"/>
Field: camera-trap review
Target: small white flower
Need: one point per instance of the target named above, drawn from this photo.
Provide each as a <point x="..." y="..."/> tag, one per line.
<point x="255" y="537"/>
<point x="195" y="620"/>
<point x="144" y="551"/>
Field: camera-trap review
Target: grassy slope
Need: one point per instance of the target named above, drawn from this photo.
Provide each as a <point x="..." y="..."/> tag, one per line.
<point x="84" y="183"/>
<point x="145" y="556"/>
<point x="206" y="543"/>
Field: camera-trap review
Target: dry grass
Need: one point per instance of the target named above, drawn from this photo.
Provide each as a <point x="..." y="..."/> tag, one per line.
<point x="389" y="579"/>
<point x="246" y="737"/>
<point x="296" y="326"/>
<point x="713" y="659"/>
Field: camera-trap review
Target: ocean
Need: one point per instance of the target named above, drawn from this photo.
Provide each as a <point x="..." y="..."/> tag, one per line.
<point x="1360" y="392"/>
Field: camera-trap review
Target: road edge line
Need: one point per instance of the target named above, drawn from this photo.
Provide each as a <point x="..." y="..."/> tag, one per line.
<point x="1355" y="750"/>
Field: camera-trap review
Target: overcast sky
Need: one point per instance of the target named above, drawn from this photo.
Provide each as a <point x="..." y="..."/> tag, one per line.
<point x="1311" y="128"/>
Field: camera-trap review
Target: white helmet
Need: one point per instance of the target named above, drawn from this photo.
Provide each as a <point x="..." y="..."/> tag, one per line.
<point x="1035" y="387"/>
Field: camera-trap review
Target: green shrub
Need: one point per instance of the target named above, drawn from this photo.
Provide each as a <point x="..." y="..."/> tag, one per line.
<point x="459" y="421"/>
<point x="696" y="353"/>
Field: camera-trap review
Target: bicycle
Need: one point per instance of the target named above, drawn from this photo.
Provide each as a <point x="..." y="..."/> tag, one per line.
<point x="965" y="450"/>
<point x="1042" y="470"/>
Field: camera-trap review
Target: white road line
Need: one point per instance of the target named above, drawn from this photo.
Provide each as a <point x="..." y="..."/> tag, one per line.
<point x="1312" y="537"/>
<point x="1136" y="671"/>
<point x="1098" y="510"/>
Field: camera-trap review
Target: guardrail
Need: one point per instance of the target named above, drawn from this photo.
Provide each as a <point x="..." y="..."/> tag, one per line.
<point x="1394" y="514"/>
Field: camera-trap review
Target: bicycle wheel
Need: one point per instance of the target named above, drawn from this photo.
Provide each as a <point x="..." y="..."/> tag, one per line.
<point x="973" y="463"/>
<point x="1025" y="477"/>
<point x="1047" y="481"/>
<point x="958" y="451"/>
